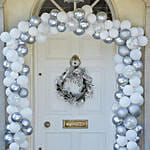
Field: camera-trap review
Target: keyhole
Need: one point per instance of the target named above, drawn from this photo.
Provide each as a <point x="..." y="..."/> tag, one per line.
<point x="40" y="74"/>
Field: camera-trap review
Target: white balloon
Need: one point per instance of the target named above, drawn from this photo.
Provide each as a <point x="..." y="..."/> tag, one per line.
<point x="116" y="24"/>
<point x="136" y="98"/>
<point x="119" y="68"/>
<point x="136" y="54"/>
<point x="14" y="146"/>
<point x="14" y="99"/>
<point x="88" y="9"/>
<point x="70" y="14"/>
<point x="26" y="113"/>
<point x="9" y="119"/>
<point x="91" y="18"/>
<point x="12" y="55"/>
<point x="131" y="135"/>
<point x="11" y="109"/>
<point x="8" y="81"/>
<point x="128" y="90"/>
<point x="132" y="145"/>
<point x="44" y="28"/>
<point x="129" y="71"/>
<point x="139" y="90"/>
<point x="23" y="103"/>
<point x="21" y="60"/>
<point x="23" y="26"/>
<point x="25" y="144"/>
<point x="141" y="31"/>
<point x="16" y="66"/>
<point x="12" y="44"/>
<point x="5" y="50"/>
<point x="108" y="24"/>
<point x="8" y="92"/>
<point x="118" y="59"/>
<point x="125" y="24"/>
<point x="15" y="33"/>
<point x="115" y="106"/>
<point x="5" y="37"/>
<point x="122" y="140"/>
<point x="41" y="38"/>
<point x="135" y="81"/>
<point x="33" y="31"/>
<point x="14" y="127"/>
<point x="62" y="16"/>
<point x="134" y="31"/>
<point x="104" y="34"/>
<point x="124" y="101"/>
<point x="143" y="40"/>
<point x="45" y="17"/>
<point x="14" y="75"/>
<point x="132" y="43"/>
<point x="90" y="31"/>
<point x="138" y="74"/>
<point x="22" y="80"/>
<point x="113" y="32"/>
<point x="19" y="137"/>
<point x="7" y="73"/>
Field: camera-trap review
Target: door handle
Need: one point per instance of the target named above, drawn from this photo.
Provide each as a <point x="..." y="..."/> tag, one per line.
<point x="47" y="124"/>
<point x="40" y="148"/>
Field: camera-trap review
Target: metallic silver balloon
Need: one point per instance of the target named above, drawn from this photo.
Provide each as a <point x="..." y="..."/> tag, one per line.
<point x="61" y="27"/>
<point x="96" y="35"/>
<point x="116" y="146"/>
<point x="25" y="37"/>
<point x="121" y="80"/>
<point x="8" y="138"/>
<point x="121" y="87"/>
<point x="118" y="41"/>
<point x="14" y="87"/>
<point x="35" y="21"/>
<point x="79" y="14"/>
<point x="135" y="110"/>
<point x="130" y="122"/>
<point x="122" y="112"/>
<point x="138" y="65"/>
<point x="108" y="40"/>
<point x="25" y="70"/>
<point x="138" y="140"/>
<point x="31" y="40"/>
<point x="127" y="60"/>
<point x="79" y="31"/>
<point x="54" y="13"/>
<point x="27" y="131"/>
<point x="20" y="42"/>
<point x="123" y="51"/>
<point x="101" y="16"/>
<point x="8" y="128"/>
<point x="22" y="50"/>
<point x="125" y="34"/>
<point x="25" y="123"/>
<point x="121" y="130"/>
<point x="53" y="22"/>
<point x="84" y="24"/>
<point x="16" y="117"/>
<point x="116" y="120"/>
<point x="23" y="92"/>
<point x="6" y="64"/>
<point x="119" y="94"/>
<point x="139" y="129"/>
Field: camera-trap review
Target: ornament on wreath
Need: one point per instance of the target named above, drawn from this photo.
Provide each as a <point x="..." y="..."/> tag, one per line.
<point x="74" y="85"/>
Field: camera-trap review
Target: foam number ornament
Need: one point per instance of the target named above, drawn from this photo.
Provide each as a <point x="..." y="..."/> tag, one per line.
<point x="74" y="85"/>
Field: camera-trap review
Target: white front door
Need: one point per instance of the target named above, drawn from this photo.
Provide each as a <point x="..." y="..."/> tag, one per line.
<point x="51" y="59"/>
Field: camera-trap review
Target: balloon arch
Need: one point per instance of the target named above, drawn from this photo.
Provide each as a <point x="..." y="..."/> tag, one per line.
<point x="128" y="97"/>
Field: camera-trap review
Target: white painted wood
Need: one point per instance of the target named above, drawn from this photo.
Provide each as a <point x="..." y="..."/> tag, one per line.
<point x="51" y="60"/>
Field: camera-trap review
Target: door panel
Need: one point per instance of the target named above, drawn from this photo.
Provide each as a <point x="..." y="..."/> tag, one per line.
<point x="51" y="59"/>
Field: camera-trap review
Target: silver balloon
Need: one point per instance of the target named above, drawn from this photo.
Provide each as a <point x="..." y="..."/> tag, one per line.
<point x="14" y="87"/>
<point x="116" y="146"/>
<point x="23" y="92"/>
<point x="101" y="16"/>
<point x="127" y="60"/>
<point x="16" y="117"/>
<point x="84" y="24"/>
<point x="116" y="120"/>
<point x="79" y="31"/>
<point x="135" y="110"/>
<point x="125" y="34"/>
<point x="25" y="123"/>
<point x="31" y="40"/>
<point x="27" y="131"/>
<point x="139" y="129"/>
<point x="96" y="35"/>
<point x="121" y="80"/>
<point x="121" y="87"/>
<point x="61" y="27"/>
<point x="52" y="22"/>
<point x="72" y="24"/>
<point x="20" y="42"/>
<point x="138" y="65"/>
<point x="123" y="50"/>
<point x="8" y="138"/>
<point x="117" y="136"/>
<point x="122" y="112"/>
<point x="108" y="40"/>
<point x="35" y="21"/>
<point x="119" y="94"/>
<point x="22" y="50"/>
<point x="138" y="140"/>
<point x="25" y="70"/>
<point x="25" y="37"/>
<point x="6" y="64"/>
<point x="118" y="41"/>
<point x="8" y="128"/>
<point x="79" y="14"/>
<point x="130" y="122"/>
<point x="54" y="13"/>
<point x="121" y="130"/>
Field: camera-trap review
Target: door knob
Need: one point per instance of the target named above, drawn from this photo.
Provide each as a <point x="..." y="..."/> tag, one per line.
<point x="40" y="148"/>
<point x="47" y="124"/>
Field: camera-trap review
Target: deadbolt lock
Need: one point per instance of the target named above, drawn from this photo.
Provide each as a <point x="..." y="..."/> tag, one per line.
<point x="47" y="124"/>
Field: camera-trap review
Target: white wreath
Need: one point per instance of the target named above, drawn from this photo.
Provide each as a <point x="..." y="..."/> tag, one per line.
<point x="128" y="66"/>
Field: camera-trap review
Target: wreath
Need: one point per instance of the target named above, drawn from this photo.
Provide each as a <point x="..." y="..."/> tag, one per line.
<point x="74" y="85"/>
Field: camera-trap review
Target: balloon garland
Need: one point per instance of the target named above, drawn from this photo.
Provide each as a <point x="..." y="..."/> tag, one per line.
<point x="128" y="67"/>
